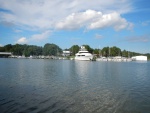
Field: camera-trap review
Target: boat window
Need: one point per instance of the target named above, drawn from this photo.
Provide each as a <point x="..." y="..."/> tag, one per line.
<point x="84" y="52"/>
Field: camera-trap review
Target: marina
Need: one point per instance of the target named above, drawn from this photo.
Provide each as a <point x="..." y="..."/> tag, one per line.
<point x="86" y="56"/>
<point x="74" y="56"/>
<point x="82" y="54"/>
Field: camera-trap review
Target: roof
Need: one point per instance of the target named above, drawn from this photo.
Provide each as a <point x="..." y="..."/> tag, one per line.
<point x="5" y="53"/>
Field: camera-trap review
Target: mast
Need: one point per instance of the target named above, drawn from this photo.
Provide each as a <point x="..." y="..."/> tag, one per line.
<point x="100" y="55"/>
<point x="128" y="54"/>
<point x="109" y="52"/>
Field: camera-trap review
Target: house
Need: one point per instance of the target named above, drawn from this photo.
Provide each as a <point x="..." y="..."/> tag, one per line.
<point x="66" y="53"/>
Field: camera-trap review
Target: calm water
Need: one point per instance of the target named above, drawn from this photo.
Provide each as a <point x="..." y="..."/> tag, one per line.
<point x="63" y="86"/>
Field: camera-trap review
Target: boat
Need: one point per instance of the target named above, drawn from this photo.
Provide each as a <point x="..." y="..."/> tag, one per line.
<point x="102" y="59"/>
<point x="23" y="56"/>
<point x="83" y="54"/>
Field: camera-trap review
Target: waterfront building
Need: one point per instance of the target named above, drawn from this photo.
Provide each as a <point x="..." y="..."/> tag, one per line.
<point x="139" y="58"/>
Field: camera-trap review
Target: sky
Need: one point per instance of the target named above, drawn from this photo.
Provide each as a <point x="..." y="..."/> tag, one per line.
<point x="97" y="23"/>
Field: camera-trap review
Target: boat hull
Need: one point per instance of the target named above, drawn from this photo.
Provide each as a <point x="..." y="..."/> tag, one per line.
<point x="86" y="58"/>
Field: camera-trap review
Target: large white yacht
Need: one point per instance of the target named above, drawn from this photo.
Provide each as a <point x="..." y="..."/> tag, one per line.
<point x="83" y="54"/>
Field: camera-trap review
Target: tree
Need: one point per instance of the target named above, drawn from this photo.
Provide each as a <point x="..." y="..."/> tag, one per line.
<point x="115" y="51"/>
<point x="96" y="51"/>
<point x="2" y="49"/>
<point x="105" y="51"/>
<point x="74" y="49"/>
<point x="8" y="48"/>
<point x="51" y="49"/>
<point x="125" y="53"/>
<point x="17" y="49"/>
<point x="88" y="48"/>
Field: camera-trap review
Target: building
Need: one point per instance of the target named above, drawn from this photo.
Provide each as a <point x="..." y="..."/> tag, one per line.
<point x="139" y="58"/>
<point x="66" y="53"/>
<point x="5" y="54"/>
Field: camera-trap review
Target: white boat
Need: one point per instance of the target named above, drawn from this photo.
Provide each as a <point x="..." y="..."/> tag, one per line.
<point x="117" y="58"/>
<point x="83" y="54"/>
<point x="23" y="56"/>
<point x="102" y="59"/>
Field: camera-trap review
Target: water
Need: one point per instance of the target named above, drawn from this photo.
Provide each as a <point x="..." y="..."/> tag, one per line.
<point x="63" y="86"/>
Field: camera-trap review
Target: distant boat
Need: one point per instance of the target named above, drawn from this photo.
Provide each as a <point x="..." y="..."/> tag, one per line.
<point x="23" y="56"/>
<point x="83" y="54"/>
<point x="102" y="59"/>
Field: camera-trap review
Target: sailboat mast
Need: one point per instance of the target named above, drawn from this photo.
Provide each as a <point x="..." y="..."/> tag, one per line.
<point x="109" y="51"/>
<point x="100" y="55"/>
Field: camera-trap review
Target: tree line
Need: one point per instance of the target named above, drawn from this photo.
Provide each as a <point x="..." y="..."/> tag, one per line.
<point x="55" y="50"/>
<point x="27" y="50"/>
<point x="107" y="51"/>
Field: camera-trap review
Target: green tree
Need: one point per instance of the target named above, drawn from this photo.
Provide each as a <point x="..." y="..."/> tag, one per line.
<point x="8" y="48"/>
<point x="2" y="49"/>
<point x="51" y="49"/>
<point x="125" y="53"/>
<point x="115" y="51"/>
<point x="88" y="48"/>
<point x="74" y="49"/>
<point x="148" y="56"/>
<point x="31" y="50"/>
<point x="105" y="51"/>
<point x="17" y="49"/>
<point x="96" y="51"/>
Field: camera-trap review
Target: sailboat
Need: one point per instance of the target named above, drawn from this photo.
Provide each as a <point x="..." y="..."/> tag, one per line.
<point x="129" y="59"/>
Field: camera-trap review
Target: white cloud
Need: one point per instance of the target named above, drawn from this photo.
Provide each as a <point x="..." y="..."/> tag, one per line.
<point x="146" y="23"/>
<point x="77" y="20"/>
<point x="1" y="45"/>
<point x="142" y="38"/>
<point x="22" y="40"/>
<point x="98" y="36"/>
<point x="34" y="38"/>
<point x="44" y="14"/>
<point x="39" y="37"/>
<point x="92" y="19"/>
<point x="17" y="30"/>
<point x="110" y="20"/>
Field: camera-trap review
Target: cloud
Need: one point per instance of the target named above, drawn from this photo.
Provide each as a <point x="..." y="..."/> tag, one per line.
<point x="17" y="30"/>
<point x="110" y="20"/>
<point x="5" y="23"/>
<point x="22" y="40"/>
<point x="98" y="36"/>
<point x="39" y="37"/>
<point x="146" y="23"/>
<point x="34" y="38"/>
<point x="142" y="38"/>
<point x="44" y="14"/>
<point x="77" y="20"/>
<point x="1" y="45"/>
<point x="92" y="19"/>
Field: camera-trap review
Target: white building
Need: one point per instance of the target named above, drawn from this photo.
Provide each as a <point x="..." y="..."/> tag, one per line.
<point x="66" y="53"/>
<point x="5" y="54"/>
<point x="139" y="58"/>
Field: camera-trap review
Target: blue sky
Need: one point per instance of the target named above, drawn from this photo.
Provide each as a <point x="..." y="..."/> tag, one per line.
<point x="123" y="23"/>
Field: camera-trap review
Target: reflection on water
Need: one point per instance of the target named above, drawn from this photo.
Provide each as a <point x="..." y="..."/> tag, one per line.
<point x="63" y="86"/>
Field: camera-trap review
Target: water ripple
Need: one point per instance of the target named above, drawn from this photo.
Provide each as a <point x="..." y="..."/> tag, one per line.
<point x="63" y="86"/>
